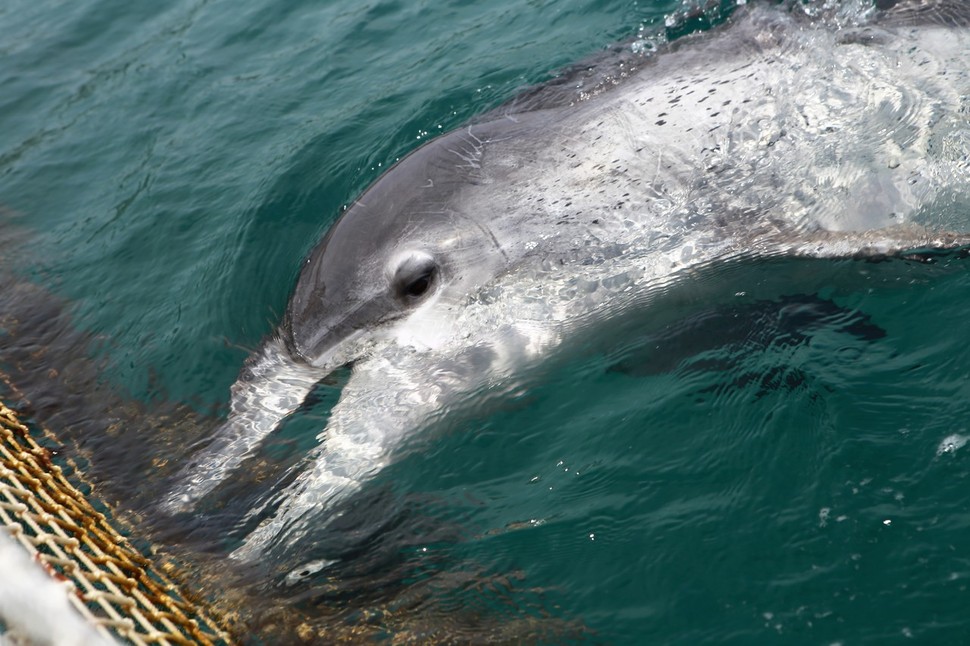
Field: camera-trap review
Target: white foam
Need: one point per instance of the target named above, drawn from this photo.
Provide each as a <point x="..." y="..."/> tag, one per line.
<point x="952" y="443"/>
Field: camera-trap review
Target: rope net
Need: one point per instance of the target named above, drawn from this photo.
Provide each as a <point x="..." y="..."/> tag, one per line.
<point x="108" y="581"/>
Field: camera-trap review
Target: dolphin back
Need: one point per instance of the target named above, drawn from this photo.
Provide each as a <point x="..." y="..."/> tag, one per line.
<point x="610" y="67"/>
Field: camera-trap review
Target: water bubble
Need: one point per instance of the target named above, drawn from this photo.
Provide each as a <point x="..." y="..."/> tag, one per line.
<point x="951" y="443"/>
<point x="645" y="44"/>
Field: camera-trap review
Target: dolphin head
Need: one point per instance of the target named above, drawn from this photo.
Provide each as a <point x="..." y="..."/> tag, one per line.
<point x="397" y="261"/>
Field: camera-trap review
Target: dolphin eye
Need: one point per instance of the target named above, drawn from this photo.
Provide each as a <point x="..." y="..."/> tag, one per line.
<point x="414" y="276"/>
<point x="419" y="285"/>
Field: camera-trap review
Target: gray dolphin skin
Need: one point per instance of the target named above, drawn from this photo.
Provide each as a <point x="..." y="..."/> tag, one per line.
<point x="785" y="132"/>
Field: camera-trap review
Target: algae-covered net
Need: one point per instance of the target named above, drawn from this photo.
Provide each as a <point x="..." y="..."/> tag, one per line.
<point x="67" y="573"/>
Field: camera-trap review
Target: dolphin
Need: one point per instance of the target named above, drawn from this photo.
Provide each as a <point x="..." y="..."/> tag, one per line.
<point x="786" y="132"/>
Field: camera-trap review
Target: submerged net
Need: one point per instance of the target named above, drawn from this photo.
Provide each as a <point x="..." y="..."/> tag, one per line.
<point x="110" y="584"/>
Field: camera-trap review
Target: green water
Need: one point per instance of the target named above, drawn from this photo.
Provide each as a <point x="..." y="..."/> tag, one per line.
<point x="173" y="162"/>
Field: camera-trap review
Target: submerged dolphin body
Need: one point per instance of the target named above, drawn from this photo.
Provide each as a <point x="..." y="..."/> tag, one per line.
<point x="490" y="246"/>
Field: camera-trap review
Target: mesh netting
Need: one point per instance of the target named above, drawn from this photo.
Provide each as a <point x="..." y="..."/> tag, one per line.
<point x="107" y="580"/>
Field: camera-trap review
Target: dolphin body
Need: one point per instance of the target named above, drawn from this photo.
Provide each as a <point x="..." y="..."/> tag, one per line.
<point x="776" y="134"/>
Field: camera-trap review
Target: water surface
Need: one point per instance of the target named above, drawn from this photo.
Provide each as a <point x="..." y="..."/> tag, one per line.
<point x="798" y="477"/>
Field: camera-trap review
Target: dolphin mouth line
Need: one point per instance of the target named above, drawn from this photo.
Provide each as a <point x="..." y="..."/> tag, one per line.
<point x="323" y="357"/>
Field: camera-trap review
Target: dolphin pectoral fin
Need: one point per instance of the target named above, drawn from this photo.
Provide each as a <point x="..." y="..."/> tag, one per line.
<point x="953" y="13"/>
<point x="904" y="242"/>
